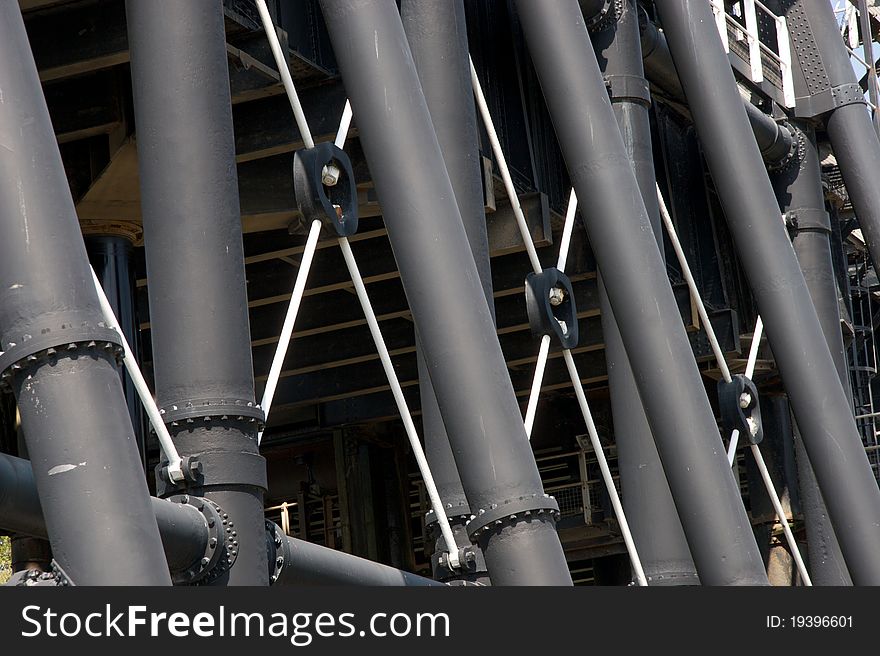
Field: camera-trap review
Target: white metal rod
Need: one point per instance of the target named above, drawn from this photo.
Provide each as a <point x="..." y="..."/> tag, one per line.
<point x="753" y="350"/>
<point x="754" y="40"/>
<point x="284" y="72"/>
<point x="544" y="350"/>
<point x="175" y="469"/>
<point x="732" y="445"/>
<point x="784" y="44"/>
<point x="540" y="367"/>
<point x="606" y="471"/>
<point x="505" y="172"/>
<point x="567" y="229"/>
<point x="762" y="466"/>
<point x="750" y="371"/>
<point x="299" y="287"/>
<point x="692" y="285"/>
<point x="721" y="23"/>
<point x="780" y="513"/>
<point x="344" y="125"/>
<point x="402" y="406"/>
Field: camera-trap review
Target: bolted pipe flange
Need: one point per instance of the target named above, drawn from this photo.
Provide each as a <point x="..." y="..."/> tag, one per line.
<point x="99" y="341"/>
<point x="459" y="512"/>
<point x="188" y="411"/>
<point x="510" y="512"/>
<point x="277" y="550"/>
<point x="795" y="154"/>
<point x="221" y="547"/>
<point x="608" y="16"/>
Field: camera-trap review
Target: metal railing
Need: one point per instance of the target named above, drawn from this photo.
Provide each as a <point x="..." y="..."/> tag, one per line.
<point x="766" y="56"/>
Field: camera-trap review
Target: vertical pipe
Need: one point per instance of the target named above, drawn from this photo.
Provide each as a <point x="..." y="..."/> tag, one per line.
<point x="195" y="261"/>
<point x="798" y="187"/>
<point x="849" y="126"/>
<point x="868" y="50"/>
<point x="802" y="356"/>
<point x="73" y="412"/>
<point x="456" y="331"/>
<point x="110" y="255"/>
<point x="437" y="36"/>
<point x="650" y="508"/>
<point x="675" y="403"/>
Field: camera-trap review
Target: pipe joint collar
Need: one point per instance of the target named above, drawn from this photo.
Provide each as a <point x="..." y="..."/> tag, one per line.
<point x="608" y="16"/>
<point x="188" y="411"/>
<point x="628" y="88"/>
<point x="216" y="468"/>
<point x="511" y="511"/>
<point x="807" y="219"/>
<point x="460" y="513"/>
<point x="53" y="343"/>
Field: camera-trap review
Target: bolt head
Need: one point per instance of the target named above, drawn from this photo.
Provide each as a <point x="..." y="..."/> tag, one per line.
<point x="330" y="175"/>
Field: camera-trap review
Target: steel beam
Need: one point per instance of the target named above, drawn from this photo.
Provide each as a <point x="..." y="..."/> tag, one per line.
<point x="437" y="35"/>
<point x="801" y="198"/>
<point x="195" y="261"/>
<point x="674" y="398"/>
<point x="73" y="412"/>
<point x="649" y="506"/>
<point x="799" y="347"/>
<point x="442" y="284"/>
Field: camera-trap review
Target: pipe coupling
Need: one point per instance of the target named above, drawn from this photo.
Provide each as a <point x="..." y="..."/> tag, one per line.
<point x="509" y="512"/>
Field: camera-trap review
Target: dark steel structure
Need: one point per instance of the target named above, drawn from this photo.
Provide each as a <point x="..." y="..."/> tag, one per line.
<point x="164" y="143"/>
<point x="818" y="399"/>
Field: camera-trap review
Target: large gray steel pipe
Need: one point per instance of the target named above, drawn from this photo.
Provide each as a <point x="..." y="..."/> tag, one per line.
<point x="799" y="347"/>
<point x="73" y="411"/>
<point x="183" y="529"/>
<point x="650" y="508"/>
<point x="443" y="287"/>
<point x="437" y="35"/>
<point x="850" y="131"/>
<point x="801" y="198"/>
<point x="195" y="260"/>
<point x="305" y="563"/>
<point x="619" y="229"/>
<point x="185" y="535"/>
